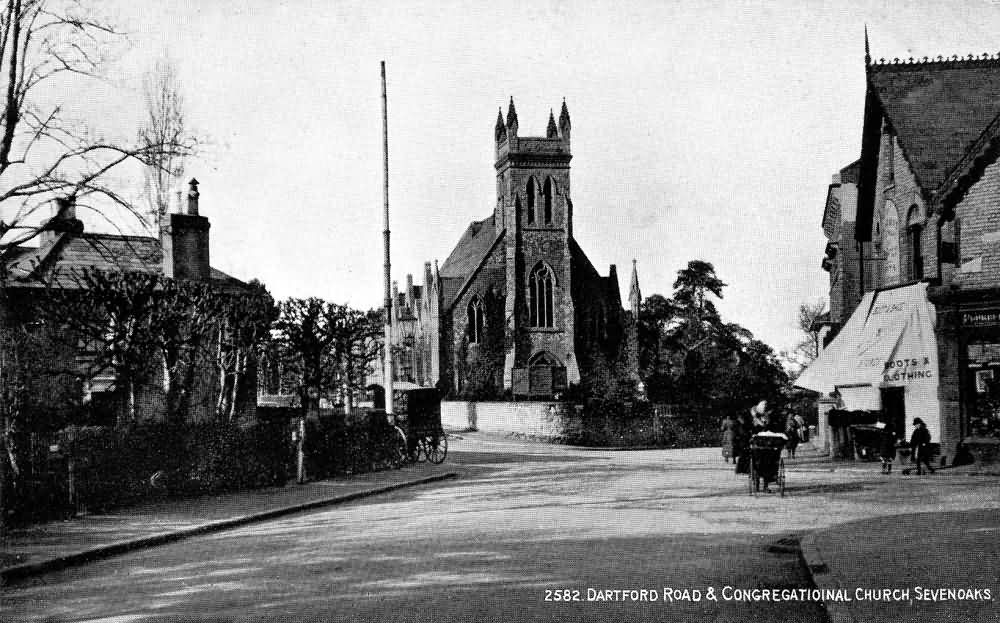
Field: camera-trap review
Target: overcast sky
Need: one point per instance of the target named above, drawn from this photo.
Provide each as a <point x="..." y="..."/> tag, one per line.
<point x="699" y="132"/>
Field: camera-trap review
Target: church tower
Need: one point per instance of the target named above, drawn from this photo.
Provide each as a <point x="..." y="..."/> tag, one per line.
<point x="534" y="209"/>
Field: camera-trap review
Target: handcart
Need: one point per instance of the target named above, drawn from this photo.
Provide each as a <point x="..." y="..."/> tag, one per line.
<point x="418" y="418"/>
<point x="766" y="462"/>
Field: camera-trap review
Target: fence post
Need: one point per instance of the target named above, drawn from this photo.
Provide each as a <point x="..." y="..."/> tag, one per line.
<point x="300" y="472"/>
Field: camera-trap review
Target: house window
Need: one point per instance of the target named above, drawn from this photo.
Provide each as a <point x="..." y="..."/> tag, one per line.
<point x="476" y="321"/>
<point x="540" y="297"/>
<point x="531" y="200"/>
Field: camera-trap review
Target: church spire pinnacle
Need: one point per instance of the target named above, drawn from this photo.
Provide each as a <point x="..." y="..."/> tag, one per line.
<point x="552" y="131"/>
<point x="564" y="125"/>
<point x="634" y="295"/>
<point x="868" y="56"/>
<point x="500" y="131"/>
<point x="511" y="114"/>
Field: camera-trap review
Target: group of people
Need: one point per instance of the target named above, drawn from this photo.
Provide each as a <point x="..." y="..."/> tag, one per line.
<point x="736" y="433"/>
<point x="920" y="446"/>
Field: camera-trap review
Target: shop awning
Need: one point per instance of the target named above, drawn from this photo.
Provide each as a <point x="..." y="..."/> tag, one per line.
<point x="888" y="342"/>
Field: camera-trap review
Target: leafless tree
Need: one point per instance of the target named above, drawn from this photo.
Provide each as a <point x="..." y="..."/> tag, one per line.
<point x="46" y="48"/>
<point x="163" y="124"/>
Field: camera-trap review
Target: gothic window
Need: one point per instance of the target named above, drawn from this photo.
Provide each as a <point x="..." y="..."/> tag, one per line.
<point x="531" y="200"/>
<point x="540" y="297"/>
<point x="891" y="273"/>
<point x="476" y="321"/>
<point x="547" y="191"/>
<point x="914" y="227"/>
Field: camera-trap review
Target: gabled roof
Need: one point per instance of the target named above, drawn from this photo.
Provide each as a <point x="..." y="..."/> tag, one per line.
<point x="467" y="257"/>
<point x="944" y="114"/>
<point x="938" y="110"/>
<point x="471" y="247"/>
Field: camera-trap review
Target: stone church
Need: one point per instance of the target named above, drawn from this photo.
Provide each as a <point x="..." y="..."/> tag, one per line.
<point x="517" y="309"/>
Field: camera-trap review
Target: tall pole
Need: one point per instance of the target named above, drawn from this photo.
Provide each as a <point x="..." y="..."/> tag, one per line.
<point x="385" y="235"/>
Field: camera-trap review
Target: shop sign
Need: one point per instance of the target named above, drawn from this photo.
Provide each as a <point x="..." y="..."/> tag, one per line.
<point x="986" y="318"/>
<point x="905" y="370"/>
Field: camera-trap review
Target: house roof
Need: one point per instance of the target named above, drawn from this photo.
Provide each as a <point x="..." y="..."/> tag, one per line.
<point x="938" y="110"/>
<point x="946" y="116"/>
<point x="105" y="252"/>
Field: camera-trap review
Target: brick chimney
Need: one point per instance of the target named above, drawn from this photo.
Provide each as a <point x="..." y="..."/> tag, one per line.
<point x="63" y="222"/>
<point x="184" y="238"/>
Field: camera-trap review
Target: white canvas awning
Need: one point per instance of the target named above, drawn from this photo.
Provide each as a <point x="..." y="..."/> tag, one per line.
<point x="887" y="342"/>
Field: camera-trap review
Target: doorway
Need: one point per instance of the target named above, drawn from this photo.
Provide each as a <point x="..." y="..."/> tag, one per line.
<point x="894" y="409"/>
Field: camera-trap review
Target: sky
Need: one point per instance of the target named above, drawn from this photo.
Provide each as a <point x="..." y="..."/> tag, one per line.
<point x="701" y="130"/>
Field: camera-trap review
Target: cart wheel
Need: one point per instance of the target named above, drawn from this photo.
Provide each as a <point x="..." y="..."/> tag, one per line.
<point x="752" y="481"/>
<point x="781" y="477"/>
<point x="436" y="448"/>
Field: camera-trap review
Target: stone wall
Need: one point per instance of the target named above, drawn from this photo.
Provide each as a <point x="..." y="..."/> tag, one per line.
<point x="538" y="419"/>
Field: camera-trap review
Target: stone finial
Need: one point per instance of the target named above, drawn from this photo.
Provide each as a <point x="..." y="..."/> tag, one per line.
<point x="551" y="131"/>
<point x="564" y="117"/>
<point x="512" y="116"/>
<point x="193" y="194"/>
<point x="500" y="131"/>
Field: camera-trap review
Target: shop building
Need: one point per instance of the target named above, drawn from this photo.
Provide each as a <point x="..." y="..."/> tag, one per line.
<point x="923" y="337"/>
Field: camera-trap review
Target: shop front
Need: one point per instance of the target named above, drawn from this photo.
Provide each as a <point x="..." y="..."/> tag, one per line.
<point x="975" y="326"/>
<point x="884" y="360"/>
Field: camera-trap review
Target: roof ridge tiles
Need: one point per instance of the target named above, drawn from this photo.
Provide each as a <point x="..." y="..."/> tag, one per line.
<point x="972" y="60"/>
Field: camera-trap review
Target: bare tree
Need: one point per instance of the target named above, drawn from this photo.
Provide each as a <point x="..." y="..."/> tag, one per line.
<point x="163" y="124"/>
<point x="46" y="47"/>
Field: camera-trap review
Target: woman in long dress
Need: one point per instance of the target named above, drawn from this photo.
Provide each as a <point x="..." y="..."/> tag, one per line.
<point x="728" y="437"/>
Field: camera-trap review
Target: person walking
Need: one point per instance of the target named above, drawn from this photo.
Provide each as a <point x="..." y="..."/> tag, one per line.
<point x="728" y="437"/>
<point x="792" y="432"/>
<point x="741" y="443"/>
<point x="887" y="447"/>
<point x="803" y="429"/>
<point x="920" y="442"/>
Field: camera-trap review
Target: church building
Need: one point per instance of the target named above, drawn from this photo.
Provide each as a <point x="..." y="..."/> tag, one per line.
<point x="517" y="309"/>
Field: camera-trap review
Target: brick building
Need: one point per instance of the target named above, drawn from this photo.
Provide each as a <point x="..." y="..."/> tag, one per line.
<point x="66" y="379"/>
<point x="517" y="307"/>
<point x="914" y="235"/>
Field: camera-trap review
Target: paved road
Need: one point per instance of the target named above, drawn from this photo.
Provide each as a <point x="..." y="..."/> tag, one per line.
<point x="523" y="519"/>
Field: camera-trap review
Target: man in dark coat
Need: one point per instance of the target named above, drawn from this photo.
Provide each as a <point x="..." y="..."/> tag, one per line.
<point x="920" y="442"/>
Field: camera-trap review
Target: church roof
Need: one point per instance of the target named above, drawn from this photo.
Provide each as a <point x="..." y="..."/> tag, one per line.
<point x="471" y="247"/>
<point x="938" y="110"/>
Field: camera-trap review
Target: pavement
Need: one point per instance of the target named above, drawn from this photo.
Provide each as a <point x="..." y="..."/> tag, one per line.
<point x="872" y="568"/>
<point x="46" y="547"/>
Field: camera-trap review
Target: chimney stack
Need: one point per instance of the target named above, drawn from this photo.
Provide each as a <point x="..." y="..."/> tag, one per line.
<point x="184" y="238"/>
<point x="64" y="221"/>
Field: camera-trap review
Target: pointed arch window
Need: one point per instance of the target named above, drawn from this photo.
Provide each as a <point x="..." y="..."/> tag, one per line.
<point x="914" y="228"/>
<point x="540" y="301"/>
<point x="530" y="192"/>
<point x="476" y="321"/>
<point x="547" y="192"/>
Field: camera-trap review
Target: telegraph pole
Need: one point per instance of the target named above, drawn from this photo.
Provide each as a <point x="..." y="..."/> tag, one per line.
<point x="385" y="234"/>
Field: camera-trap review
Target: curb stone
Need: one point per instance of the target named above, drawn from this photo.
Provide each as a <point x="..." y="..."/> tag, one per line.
<point x="823" y="578"/>
<point x="19" y="572"/>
